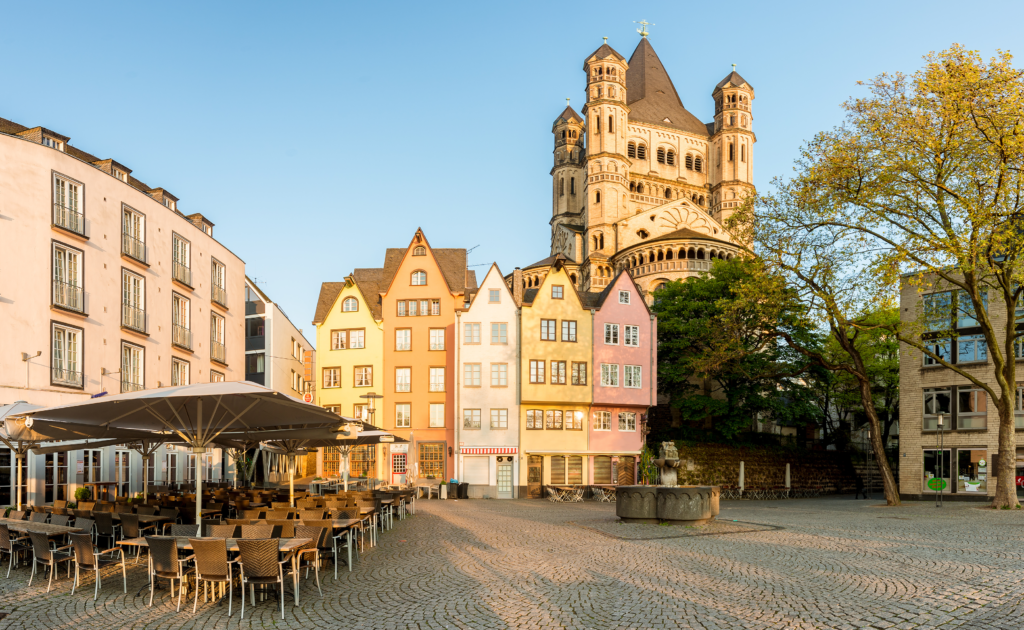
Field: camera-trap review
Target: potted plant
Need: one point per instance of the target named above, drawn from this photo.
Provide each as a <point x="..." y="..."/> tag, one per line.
<point x="83" y="494"/>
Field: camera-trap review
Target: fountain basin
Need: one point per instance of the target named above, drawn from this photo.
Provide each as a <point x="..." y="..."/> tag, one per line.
<point x="687" y="505"/>
<point x="637" y="504"/>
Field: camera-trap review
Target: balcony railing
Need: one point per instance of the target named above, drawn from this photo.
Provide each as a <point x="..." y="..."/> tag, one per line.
<point x="133" y="247"/>
<point x="255" y="308"/>
<point x="182" y="273"/>
<point x="68" y="296"/>
<point x="220" y="296"/>
<point x="134" y="318"/>
<point x="217" y="352"/>
<point x="60" y="376"/>
<point x="68" y="219"/>
<point x="130" y="386"/>
<point x="255" y="343"/>
<point x="181" y="337"/>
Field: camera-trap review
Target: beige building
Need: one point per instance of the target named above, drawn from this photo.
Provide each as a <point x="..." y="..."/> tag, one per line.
<point x="963" y="452"/>
<point x="105" y="287"/>
<point x="638" y="182"/>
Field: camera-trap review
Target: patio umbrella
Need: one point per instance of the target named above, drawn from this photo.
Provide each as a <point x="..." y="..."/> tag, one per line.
<point x="198" y="414"/>
<point x="21" y="434"/>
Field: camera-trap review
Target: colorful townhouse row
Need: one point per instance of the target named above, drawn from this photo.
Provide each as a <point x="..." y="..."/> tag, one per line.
<point x="507" y="388"/>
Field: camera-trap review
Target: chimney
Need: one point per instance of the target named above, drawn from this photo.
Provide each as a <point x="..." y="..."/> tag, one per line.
<point x="517" y="287"/>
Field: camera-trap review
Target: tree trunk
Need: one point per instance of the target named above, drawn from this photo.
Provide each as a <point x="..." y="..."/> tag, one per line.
<point x="892" y="493"/>
<point x="1006" y="464"/>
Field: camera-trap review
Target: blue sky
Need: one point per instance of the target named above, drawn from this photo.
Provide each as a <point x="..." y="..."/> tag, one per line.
<point x="316" y="135"/>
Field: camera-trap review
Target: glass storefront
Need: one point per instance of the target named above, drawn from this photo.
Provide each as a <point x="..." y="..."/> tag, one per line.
<point x="967" y="467"/>
<point x="937" y="467"/>
<point x="972" y="471"/>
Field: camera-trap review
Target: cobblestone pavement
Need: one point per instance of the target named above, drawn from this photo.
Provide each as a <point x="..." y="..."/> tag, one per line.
<point x="806" y="563"/>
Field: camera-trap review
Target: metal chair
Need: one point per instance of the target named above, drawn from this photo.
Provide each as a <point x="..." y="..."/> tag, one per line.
<point x="212" y="565"/>
<point x="11" y="546"/>
<point x="86" y="525"/>
<point x="328" y="544"/>
<point x="352" y="513"/>
<point x="130" y="528"/>
<point x="148" y="510"/>
<point x="49" y="556"/>
<point x="86" y="558"/>
<point x="258" y="560"/>
<point x="554" y="496"/>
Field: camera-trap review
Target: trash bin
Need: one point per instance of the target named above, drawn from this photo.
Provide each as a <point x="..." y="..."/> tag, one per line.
<point x="453" y="491"/>
<point x="464" y="490"/>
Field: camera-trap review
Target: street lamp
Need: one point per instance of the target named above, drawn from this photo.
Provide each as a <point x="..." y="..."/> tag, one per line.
<point x="939" y="467"/>
<point x="868" y="494"/>
<point x="371" y="409"/>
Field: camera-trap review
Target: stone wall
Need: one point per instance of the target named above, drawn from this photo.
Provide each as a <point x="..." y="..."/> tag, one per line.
<point x="719" y="465"/>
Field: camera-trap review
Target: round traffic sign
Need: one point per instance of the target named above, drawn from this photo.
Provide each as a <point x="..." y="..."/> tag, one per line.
<point x="307" y="397"/>
<point x="937" y="483"/>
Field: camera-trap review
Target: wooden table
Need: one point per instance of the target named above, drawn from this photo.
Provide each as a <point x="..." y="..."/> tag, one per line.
<point x="106" y="488"/>
<point x="285" y="545"/>
<point x="146" y="519"/>
<point x="27" y="527"/>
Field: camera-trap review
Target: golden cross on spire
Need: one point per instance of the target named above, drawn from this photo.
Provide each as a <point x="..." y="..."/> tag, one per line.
<point x="643" y="27"/>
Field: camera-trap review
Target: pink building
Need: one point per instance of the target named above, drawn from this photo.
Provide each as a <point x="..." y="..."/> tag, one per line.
<point x="625" y="380"/>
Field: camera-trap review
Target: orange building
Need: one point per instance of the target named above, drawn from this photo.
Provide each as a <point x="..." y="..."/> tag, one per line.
<point x="423" y="288"/>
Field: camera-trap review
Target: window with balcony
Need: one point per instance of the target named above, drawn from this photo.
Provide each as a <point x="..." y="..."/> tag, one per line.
<point x="68" y="205"/>
<point x="67" y="278"/>
<point x="217" y="329"/>
<point x="132" y="367"/>
<point x="181" y="260"/>
<point x="66" y="364"/>
<point x="217" y="377"/>
<point x="437" y="338"/>
<point x="133" y="301"/>
<point x="403" y="379"/>
<point x="437" y="379"/>
<point x="181" y="323"/>
<point x="133" y="234"/>
<point x="218" y="283"/>
<point x="179" y="372"/>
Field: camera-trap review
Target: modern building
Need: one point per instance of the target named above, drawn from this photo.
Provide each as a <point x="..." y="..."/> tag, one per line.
<point x="108" y="287"/>
<point x="962" y="452"/>
<point x="487" y="353"/>
<point x="638" y="182"/>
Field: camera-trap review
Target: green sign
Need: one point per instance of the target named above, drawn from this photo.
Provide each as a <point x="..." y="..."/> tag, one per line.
<point x="937" y="483"/>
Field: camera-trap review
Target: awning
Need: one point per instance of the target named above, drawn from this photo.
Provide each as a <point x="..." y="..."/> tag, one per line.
<point x="489" y="450"/>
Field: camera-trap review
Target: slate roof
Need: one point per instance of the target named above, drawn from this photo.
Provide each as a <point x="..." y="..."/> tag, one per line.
<point x="606" y="51"/>
<point x="451" y="261"/>
<point x="735" y="79"/>
<point x="568" y="114"/>
<point x="653" y="97"/>
<point x="328" y="294"/>
<point x="546" y="262"/>
<point x="369" y="283"/>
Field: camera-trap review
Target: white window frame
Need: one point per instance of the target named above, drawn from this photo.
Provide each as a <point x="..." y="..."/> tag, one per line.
<point x="136" y="365"/>
<point x="66" y="352"/>
<point x="403" y="415"/>
<point x="356" y="339"/>
<point x="180" y="372"/>
<point x="627" y="421"/>
<point x="437" y="338"/>
<point x="611" y="334"/>
<point x="602" y="421"/>
<point x="403" y="379"/>
<point x="631" y="336"/>
<point x="437" y="415"/>
<point x="332" y="377"/>
<point x="403" y="339"/>
<point x="609" y="375"/>
<point x="623" y="297"/>
<point x="436" y="379"/>
<point x="632" y="376"/>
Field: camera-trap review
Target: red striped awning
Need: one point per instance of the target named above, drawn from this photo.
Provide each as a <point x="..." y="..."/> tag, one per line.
<point x="500" y="450"/>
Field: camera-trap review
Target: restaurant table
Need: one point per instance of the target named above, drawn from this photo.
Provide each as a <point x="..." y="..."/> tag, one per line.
<point x="26" y="527"/>
<point x="105" y="485"/>
<point x="285" y="545"/>
<point x="145" y="519"/>
<point x="569" y="494"/>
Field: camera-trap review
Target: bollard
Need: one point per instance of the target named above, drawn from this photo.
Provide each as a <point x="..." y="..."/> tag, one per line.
<point x="741" y="479"/>
<point x="787" y="480"/>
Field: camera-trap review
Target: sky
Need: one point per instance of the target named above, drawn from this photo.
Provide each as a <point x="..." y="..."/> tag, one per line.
<point x="315" y="135"/>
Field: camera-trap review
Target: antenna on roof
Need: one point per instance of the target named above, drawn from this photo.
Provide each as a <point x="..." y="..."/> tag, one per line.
<point x="471" y="249"/>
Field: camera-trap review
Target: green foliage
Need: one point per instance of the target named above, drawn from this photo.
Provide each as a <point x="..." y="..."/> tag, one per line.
<point x="649" y="474"/>
<point x="720" y="357"/>
<point x="83" y="494"/>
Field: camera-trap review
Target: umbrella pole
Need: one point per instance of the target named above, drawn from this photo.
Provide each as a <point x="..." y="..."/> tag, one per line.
<point x="19" y="458"/>
<point x="199" y="488"/>
<point x="145" y="477"/>
<point x="291" y="480"/>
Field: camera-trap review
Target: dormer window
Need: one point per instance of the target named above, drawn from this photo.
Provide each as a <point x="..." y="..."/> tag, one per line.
<point x="121" y="175"/>
<point x="52" y="143"/>
<point x="169" y="203"/>
<point x="207" y="229"/>
<point x="419" y="251"/>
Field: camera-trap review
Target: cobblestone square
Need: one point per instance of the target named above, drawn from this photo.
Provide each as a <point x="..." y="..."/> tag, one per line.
<point x="809" y="563"/>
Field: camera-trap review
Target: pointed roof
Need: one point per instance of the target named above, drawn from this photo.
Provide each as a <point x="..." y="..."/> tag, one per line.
<point x="451" y="261"/>
<point x="652" y="98"/>
<point x="604" y="52"/>
<point x="568" y="115"/>
<point x="734" y="78"/>
<point x="329" y="292"/>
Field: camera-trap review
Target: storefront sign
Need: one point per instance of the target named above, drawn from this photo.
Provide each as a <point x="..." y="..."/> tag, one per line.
<point x="937" y="483"/>
<point x="81" y="466"/>
<point x="399" y="448"/>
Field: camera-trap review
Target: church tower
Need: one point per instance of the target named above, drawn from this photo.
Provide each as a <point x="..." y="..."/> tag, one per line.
<point x="567" y="174"/>
<point x="732" y="146"/>
<point x="607" y="167"/>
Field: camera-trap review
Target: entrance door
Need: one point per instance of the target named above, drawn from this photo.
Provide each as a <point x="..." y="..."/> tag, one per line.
<point x="534" y="477"/>
<point x="504" y="480"/>
<point x="398" y="467"/>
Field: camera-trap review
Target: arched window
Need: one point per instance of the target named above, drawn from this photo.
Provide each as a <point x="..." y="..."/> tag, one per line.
<point x="631" y="149"/>
<point x="689" y="162"/>
<point x="597" y="197"/>
<point x="668" y="193"/>
<point x="349" y="305"/>
<point x="632" y="186"/>
<point x="668" y="255"/>
<point x="698" y="164"/>
<point x="419" y="250"/>
<point x="561" y="187"/>
<point x="596" y="247"/>
<point x="419" y="278"/>
<point x="700" y="254"/>
<point x="611" y="124"/>
<point x="671" y="158"/>
<point x="743" y="153"/>
<point x="572" y="278"/>
<point x="661" y="255"/>
<point x="572" y="185"/>
<point x="563" y="133"/>
<point x="641" y="152"/>
<point x="732" y="120"/>
<point x="601" y="240"/>
<point x="700" y="200"/>
<point x="691" y="253"/>
<point x="640" y="189"/>
<point x="730" y="152"/>
<point x="661" y="155"/>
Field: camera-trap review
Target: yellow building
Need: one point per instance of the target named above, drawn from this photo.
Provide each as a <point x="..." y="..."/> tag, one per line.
<point x="556" y="370"/>
<point x="350" y="343"/>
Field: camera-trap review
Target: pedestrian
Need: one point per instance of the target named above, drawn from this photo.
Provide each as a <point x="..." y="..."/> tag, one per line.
<point x="860" y="488"/>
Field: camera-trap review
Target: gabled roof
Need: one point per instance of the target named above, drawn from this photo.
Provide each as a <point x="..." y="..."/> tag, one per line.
<point x="603" y="295"/>
<point x="568" y="115"/>
<point x="544" y="262"/>
<point x="652" y="98"/>
<point x="369" y="282"/>
<point x="329" y="292"/>
<point x="733" y="78"/>
<point x="451" y="261"/>
<point x="606" y="51"/>
<point x="472" y="293"/>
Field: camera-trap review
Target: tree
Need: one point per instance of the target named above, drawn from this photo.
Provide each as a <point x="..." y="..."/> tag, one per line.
<point x="720" y="362"/>
<point x="923" y="183"/>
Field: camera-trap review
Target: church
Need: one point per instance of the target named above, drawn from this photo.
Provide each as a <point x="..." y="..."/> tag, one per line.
<point x="639" y="184"/>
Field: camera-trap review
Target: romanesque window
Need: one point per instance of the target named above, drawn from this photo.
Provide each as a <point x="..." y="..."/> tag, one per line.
<point x="661" y="155"/>
<point x="668" y="193"/>
<point x="611" y="124"/>
<point x="698" y="164"/>
<point x="641" y="152"/>
<point x="597" y="197"/>
<point x="671" y="158"/>
<point x="419" y="251"/>
<point x="561" y="187"/>
<point x="689" y="161"/>
<point x="631" y="149"/>
<point x="640" y="189"/>
<point x="572" y="185"/>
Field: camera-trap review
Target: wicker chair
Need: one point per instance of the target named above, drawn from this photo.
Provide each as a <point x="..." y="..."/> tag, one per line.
<point x="256" y="531"/>
<point x="164" y="563"/>
<point x="240" y="521"/>
<point x="352" y="513"/>
<point x="148" y="510"/>
<point x="220" y="510"/>
<point x="11" y="546"/>
<point x="59" y="519"/>
<point x="105" y="527"/>
<point x="280" y="505"/>
<point x="208" y="523"/>
<point x="311" y="515"/>
<point x="329" y="543"/>
<point x="17" y="515"/>
<point x="172" y="513"/>
<point x="51" y="557"/>
<point x="259" y="564"/>
<point x="87" y="505"/>
<point x="86" y="558"/>
<point x="85" y="525"/>
<point x="223" y="531"/>
<point x="212" y="565"/>
<point x="182" y="531"/>
<point x="130" y="528"/>
<point x="251" y="514"/>
<point x="60" y="504"/>
<point x="309" y="554"/>
<point x="306" y="504"/>
<point x="287" y="527"/>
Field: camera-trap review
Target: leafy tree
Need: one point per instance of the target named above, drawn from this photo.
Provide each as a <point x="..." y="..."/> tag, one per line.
<point x="923" y="184"/>
<point x="720" y="360"/>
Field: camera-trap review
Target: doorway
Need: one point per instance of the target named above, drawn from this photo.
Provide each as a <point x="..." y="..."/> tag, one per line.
<point x="535" y="477"/>
<point x="399" y="462"/>
<point x="504" y="478"/>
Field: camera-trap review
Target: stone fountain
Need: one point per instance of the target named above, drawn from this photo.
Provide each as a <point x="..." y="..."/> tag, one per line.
<point x="669" y="502"/>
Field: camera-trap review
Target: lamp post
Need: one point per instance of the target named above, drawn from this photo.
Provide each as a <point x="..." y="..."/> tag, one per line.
<point x="869" y="449"/>
<point x="371" y="410"/>
<point x="938" y="464"/>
